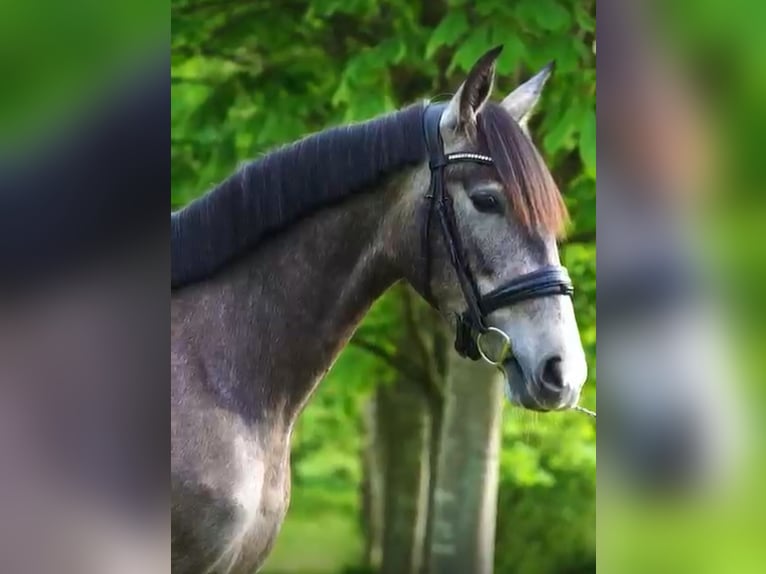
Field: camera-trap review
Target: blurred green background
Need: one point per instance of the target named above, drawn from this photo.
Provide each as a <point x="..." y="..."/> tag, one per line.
<point x="249" y="75"/>
<point x="710" y="54"/>
<point x="56" y="58"/>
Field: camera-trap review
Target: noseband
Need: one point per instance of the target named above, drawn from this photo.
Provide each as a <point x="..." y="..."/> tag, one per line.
<point x="472" y="325"/>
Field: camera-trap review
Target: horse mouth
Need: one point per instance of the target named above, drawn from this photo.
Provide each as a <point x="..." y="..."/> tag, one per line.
<point x="519" y="387"/>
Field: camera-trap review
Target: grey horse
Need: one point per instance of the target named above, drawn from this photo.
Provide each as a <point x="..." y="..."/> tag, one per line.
<point x="274" y="268"/>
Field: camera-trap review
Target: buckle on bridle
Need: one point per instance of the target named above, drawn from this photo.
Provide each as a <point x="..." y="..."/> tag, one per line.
<point x="493" y="356"/>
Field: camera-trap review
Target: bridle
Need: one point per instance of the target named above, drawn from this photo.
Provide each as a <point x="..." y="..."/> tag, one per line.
<point x="474" y="335"/>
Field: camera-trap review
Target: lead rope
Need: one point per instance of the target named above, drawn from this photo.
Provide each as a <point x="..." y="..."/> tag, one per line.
<point x="588" y="412"/>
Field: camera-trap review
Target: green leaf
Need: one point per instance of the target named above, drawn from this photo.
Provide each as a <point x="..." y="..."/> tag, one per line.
<point x="471" y="50"/>
<point x="584" y="18"/>
<point x="559" y="134"/>
<point x="392" y="51"/>
<point x="452" y="27"/>
<point x="588" y="143"/>
<point x="549" y="15"/>
<point x="514" y="50"/>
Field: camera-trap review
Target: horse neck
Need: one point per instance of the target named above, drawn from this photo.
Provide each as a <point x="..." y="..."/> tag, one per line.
<point x="270" y="326"/>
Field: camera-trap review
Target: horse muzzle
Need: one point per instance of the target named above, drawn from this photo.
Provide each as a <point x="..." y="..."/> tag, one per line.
<point x="542" y="390"/>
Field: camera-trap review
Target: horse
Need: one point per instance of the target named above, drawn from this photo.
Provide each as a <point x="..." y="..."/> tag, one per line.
<point x="274" y="268"/>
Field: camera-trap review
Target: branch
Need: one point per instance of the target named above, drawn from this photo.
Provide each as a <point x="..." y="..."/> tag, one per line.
<point x="183" y="142"/>
<point x="201" y="50"/>
<point x="191" y="80"/>
<point x="581" y="238"/>
<point x="191" y="7"/>
<point x="406" y="368"/>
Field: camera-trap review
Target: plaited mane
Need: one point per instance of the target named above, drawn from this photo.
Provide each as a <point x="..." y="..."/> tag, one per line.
<point x="273" y="192"/>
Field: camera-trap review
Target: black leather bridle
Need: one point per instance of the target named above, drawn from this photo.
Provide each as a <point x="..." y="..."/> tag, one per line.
<point x="472" y="323"/>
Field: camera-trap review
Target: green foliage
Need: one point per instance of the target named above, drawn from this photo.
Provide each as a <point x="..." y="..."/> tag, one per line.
<point x="251" y="75"/>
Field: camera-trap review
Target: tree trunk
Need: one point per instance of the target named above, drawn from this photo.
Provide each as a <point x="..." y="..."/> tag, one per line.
<point x="404" y="429"/>
<point x="465" y="496"/>
<point x="436" y="412"/>
<point x="373" y="498"/>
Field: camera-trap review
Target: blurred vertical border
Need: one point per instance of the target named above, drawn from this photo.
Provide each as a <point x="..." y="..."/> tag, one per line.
<point x="681" y="116"/>
<point x="84" y="274"/>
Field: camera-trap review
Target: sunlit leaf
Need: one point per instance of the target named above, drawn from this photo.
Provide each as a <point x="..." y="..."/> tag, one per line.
<point x="472" y="48"/>
<point x="448" y="32"/>
<point x="588" y="143"/>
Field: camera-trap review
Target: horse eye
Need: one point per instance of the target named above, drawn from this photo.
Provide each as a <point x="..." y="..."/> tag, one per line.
<point x="486" y="203"/>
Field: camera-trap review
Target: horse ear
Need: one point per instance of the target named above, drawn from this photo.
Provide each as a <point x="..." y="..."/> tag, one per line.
<point x="465" y="105"/>
<point x="521" y="102"/>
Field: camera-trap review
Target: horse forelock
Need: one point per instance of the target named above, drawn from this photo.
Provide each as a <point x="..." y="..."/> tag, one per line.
<point x="532" y="193"/>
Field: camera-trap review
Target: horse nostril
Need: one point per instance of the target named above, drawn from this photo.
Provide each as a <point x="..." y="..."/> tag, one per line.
<point x="552" y="375"/>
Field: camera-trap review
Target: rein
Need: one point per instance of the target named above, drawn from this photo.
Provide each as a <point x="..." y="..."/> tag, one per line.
<point x="473" y="329"/>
